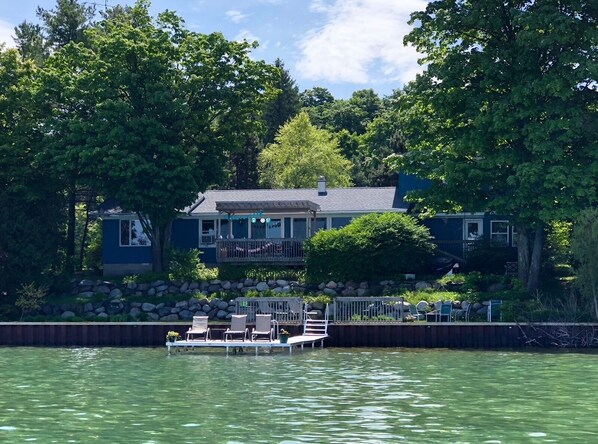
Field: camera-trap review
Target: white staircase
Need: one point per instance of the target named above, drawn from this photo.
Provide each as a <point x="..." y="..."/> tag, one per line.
<point x="315" y="327"/>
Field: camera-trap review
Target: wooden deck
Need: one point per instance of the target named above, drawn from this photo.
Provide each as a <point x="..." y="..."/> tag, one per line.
<point x="263" y="251"/>
<point x="293" y="342"/>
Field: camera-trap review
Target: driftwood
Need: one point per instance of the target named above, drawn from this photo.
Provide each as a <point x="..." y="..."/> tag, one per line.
<point x="562" y="336"/>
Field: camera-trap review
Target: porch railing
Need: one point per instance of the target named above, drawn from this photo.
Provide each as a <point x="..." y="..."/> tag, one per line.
<point x="286" y="251"/>
<point x="367" y="310"/>
<point x="283" y="310"/>
<point x="458" y="249"/>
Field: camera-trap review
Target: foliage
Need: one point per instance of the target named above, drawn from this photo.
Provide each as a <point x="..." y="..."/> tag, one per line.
<point x="584" y="247"/>
<point x="301" y="154"/>
<point x="185" y="265"/>
<point x="31" y="201"/>
<point x="92" y="257"/>
<point x="489" y="258"/>
<point x="557" y="246"/>
<point x="259" y="272"/>
<point x="283" y="332"/>
<point x="30" y="297"/>
<point x="170" y="104"/>
<point x="375" y="246"/>
<point x="505" y="107"/>
<point x="172" y="336"/>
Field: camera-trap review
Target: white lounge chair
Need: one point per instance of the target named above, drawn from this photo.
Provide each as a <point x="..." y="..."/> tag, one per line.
<point x="263" y="327"/>
<point x="237" y="327"/>
<point x="199" y="328"/>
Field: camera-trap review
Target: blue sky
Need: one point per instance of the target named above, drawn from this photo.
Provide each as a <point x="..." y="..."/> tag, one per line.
<point x="342" y="45"/>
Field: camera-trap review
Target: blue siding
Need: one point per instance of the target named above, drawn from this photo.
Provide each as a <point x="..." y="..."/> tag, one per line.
<point x="208" y="255"/>
<point x="444" y="229"/>
<point x="185" y="233"/>
<point x="113" y="253"/>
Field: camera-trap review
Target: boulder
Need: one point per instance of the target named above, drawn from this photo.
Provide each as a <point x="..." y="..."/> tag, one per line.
<point x="86" y="294"/>
<point x="135" y="312"/>
<point x="422" y="285"/>
<point x="102" y="289"/>
<point x="262" y="286"/>
<point x="170" y="318"/>
<point x="67" y="315"/>
<point x="222" y="305"/>
<point x="116" y="293"/>
<point x="147" y="307"/>
<point x="186" y="315"/>
<point x="222" y="314"/>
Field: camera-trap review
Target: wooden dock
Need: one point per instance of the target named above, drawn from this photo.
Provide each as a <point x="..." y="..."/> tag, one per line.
<point x="235" y="345"/>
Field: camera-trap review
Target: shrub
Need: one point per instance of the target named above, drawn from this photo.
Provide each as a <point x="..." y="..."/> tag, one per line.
<point x="486" y="257"/>
<point x="372" y="247"/>
<point x="261" y="273"/>
<point x="185" y="265"/>
<point x="30" y="297"/>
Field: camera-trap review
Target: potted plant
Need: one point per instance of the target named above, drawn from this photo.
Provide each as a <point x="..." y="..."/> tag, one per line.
<point x="283" y="336"/>
<point x="173" y="336"/>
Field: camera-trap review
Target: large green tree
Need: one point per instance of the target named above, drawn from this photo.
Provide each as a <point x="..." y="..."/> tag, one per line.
<point x="504" y="117"/>
<point x="157" y="110"/>
<point x="302" y="153"/>
<point x="31" y="202"/>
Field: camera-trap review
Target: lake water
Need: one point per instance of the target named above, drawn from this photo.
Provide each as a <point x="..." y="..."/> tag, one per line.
<point x="135" y="395"/>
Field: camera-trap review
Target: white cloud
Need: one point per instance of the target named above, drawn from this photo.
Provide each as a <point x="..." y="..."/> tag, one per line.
<point x="6" y="31"/>
<point x="245" y="34"/>
<point x="235" y="15"/>
<point x="361" y="42"/>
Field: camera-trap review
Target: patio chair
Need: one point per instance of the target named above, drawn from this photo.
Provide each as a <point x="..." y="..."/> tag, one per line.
<point x="237" y="327"/>
<point x="416" y="315"/>
<point x="442" y="312"/>
<point x="199" y="328"/>
<point x="263" y="327"/>
<point x="463" y="313"/>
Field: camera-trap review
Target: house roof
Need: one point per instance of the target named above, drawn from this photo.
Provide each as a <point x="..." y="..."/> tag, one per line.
<point x="336" y="200"/>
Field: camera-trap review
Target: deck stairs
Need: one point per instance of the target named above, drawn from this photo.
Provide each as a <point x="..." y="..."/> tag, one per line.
<point x="315" y="327"/>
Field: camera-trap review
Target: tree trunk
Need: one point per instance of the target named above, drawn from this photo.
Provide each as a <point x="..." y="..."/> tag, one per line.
<point x="523" y="254"/>
<point x="84" y="236"/>
<point x="534" y="269"/>
<point x="160" y="237"/>
<point x="71" y="225"/>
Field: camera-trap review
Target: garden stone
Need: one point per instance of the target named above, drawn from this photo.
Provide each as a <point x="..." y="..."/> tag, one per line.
<point x="193" y="285"/>
<point x="321" y="286"/>
<point x="100" y="310"/>
<point x="214" y="302"/>
<point x="221" y="314"/>
<point x="222" y="305"/>
<point x="229" y="316"/>
<point x="143" y="286"/>
<point x="135" y="312"/>
<point x="316" y="314"/>
<point x="203" y="286"/>
<point x="271" y="283"/>
<point x="212" y="313"/>
<point x="476" y="306"/>
<point x="316" y="305"/>
<point x="182" y="304"/>
<point x="87" y="283"/>
<point x="248" y="282"/>
<point x="136" y="304"/>
<point x="176" y="309"/>
<point x="332" y="285"/>
<point x="186" y="315"/>
<point x="173" y="289"/>
<point x="153" y="317"/>
<point x="146" y="306"/>
<point x="277" y="290"/>
<point x="157" y="283"/>
<point x="163" y="311"/>
<point x="483" y="311"/>
<point x="240" y="286"/>
<point x="116" y="293"/>
<point x="206" y="308"/>
<point x="86" y="294"/>
<point x="362" y="292"/>
<point x="67" y="315"/>
<point x="132" y="285"/>
<point x="231" y="309"/>
<point x="282" y="283"/>
<point x="102" y="289"/>
<point x="364" y="284"/>
<point x="88" y="307"/>
<point x="184" y="287"/>
<point x="226" y="285"/>
<point x="151" y="292"/>
<point x="162" y="287"/>
<point x="330" y="292"/>
<point x="170" y="318"/>
<point x="422" y="285"/>
<point x="286" y="289"/>
<point x="103" y="315"/>
<point x="214" y="288"/>
<point x="262" y="286"/>
<point x="349" y="292"/>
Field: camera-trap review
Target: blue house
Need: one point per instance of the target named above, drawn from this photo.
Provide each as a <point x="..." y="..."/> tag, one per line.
<point x="269" y="226"/>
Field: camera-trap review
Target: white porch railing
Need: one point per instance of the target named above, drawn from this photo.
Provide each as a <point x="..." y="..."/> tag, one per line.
<point x="367" y="310"/>
<point x="283" y="310"/>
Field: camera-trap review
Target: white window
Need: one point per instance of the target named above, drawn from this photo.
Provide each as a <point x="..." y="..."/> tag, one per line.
<point x="514" y="236"/>
<point x="208" y="232"/>
<point x="499" y="232"/>
<point x="131" y="233"/>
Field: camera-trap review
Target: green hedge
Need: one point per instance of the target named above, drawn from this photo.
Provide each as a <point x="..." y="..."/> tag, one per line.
<point x="372" y="247"/>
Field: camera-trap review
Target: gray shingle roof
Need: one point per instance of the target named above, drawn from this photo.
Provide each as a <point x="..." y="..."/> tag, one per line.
<point x="336" y="200"/>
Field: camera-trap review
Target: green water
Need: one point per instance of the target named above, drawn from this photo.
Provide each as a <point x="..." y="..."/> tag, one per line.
<point x="118" y="395"/>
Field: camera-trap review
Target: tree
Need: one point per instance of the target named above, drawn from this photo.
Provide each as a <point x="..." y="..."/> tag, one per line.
<point x="284" y="106"/>
<point x="67" y="23"/>
<point x="504" y="118"/>
<point x="316" y="96"/>
<point x="300" y="154"/>
<point x="151" y="112"/>
<point x="584" y="246"/>
<point x="31" y="201"/>
<point x="31" y="43"/>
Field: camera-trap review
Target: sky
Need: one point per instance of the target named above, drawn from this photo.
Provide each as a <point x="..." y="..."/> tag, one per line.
<point x="342" y="45"/>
